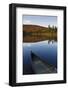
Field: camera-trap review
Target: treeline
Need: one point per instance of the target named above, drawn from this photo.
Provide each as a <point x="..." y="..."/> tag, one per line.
<point x="53" y="27"/>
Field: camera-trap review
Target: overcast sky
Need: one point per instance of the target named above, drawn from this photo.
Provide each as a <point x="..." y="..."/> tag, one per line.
<point x="40" y="20"/>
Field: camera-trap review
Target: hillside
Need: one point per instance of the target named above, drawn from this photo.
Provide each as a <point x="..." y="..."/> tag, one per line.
<point x="33" y="28"/>
<point x="35" y="33"/>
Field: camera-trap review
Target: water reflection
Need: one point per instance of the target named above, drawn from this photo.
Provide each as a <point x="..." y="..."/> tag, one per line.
<point x="46" y="50"/>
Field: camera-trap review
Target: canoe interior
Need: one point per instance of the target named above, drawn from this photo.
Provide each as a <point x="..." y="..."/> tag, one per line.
<point x="41" y="67"/>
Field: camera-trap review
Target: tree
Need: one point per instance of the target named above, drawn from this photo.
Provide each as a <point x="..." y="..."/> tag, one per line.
<point x="53" y="27"/>
<point x="49" y="26"/>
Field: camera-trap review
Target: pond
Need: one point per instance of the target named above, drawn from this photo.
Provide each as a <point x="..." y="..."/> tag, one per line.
<point x="46" y="50"/>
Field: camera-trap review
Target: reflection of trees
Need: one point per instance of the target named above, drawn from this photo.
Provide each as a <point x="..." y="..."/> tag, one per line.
<point x="26" y="33"/>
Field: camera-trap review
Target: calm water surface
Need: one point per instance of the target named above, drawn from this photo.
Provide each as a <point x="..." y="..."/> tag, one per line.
<point x="46" y="50"/>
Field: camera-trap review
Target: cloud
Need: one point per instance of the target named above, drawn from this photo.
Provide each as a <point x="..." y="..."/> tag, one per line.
<point x="33" y="23"/>
<point x="27" y="22"/>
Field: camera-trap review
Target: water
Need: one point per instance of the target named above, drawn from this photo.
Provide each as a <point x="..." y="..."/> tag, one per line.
<point x="46" y="50"/>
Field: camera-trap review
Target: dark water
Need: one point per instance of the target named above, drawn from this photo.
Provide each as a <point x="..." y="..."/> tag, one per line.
<point x="46" y="50"/>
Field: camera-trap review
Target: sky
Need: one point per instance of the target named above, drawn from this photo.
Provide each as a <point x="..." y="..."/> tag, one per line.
<point x="40" y="20"/>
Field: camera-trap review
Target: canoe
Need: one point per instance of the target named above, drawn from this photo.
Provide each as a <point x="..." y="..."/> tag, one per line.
<point x="40" y="66"/>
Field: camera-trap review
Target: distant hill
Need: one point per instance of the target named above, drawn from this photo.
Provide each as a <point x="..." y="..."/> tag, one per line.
<point x="35" y="33"/>
<point x="33" y="28"/>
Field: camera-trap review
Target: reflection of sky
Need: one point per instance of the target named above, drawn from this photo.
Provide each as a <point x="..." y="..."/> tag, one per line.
<point x="40" y="20"/>
<point x="47" y="52"/>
